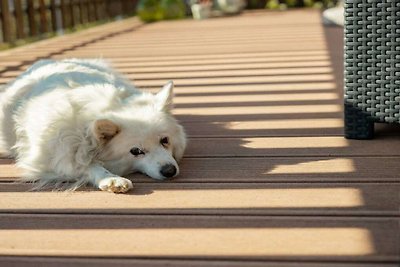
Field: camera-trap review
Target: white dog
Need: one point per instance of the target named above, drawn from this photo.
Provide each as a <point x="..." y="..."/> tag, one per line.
<point x="79" y="120"/>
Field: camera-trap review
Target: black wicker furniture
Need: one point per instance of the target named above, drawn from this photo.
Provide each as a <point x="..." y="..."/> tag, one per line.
<point x="372" y="65"/>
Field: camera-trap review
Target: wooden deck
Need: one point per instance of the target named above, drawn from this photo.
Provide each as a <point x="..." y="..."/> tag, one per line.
<point x="267" y="180"/>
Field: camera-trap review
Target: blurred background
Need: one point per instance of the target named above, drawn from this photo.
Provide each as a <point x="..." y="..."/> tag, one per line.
<point x="23" y="21"/>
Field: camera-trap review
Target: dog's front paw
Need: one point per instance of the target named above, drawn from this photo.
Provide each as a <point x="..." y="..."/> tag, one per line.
<point x="115" y="184"/>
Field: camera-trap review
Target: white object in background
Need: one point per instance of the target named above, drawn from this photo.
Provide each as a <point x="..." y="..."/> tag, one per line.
<point x="335" y="15"/>
<point x="231" y="6"/>
<point x="201" y="11"/>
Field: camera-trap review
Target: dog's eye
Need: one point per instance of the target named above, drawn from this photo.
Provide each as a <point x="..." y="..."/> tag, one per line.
<point x="136" y="151"/>
<point x="164" y="141"/>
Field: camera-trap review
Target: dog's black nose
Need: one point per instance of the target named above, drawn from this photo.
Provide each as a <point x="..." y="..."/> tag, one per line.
<point x="168" y="170"/>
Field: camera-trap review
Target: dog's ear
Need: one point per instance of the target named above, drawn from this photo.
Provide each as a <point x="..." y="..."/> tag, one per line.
<point x="164" y="97"/>
<point x="104" y="130"/>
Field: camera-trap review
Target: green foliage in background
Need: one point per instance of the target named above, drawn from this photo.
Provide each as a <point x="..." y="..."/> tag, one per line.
<point x="149" y="10"/>
<point x="173" y="9"/>
<point x="154" y="10"/>
<point x="284" y="4"/>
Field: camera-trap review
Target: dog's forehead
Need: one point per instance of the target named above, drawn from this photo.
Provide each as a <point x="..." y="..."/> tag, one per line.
<point x="150" y="124"/>
<point x="146" y="136"/>
<point x="147" y="130"/>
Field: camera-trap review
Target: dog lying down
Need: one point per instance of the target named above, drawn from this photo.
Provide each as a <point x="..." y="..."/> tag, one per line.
<point x="80" y="121"/>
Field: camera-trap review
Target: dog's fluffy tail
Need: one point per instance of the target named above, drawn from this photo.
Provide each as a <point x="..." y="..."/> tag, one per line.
<point x="53" y="184"/>
<point x="51" y="181"/>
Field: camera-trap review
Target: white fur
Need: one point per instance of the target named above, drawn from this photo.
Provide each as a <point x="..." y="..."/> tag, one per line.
<point x="48" y="122"/>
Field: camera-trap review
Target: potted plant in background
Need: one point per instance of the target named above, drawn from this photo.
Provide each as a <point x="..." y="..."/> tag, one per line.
<point x="149" y="10"/>
<point x="173" y="9"/>
<point x="154" y="10"/>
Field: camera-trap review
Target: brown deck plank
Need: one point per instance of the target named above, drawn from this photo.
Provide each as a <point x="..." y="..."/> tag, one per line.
<point x="292" y="146"/>
<point x="236" y="80"/>
<point x="259" y="112"/>
<point x="211" y="74"/>
<point x="163" y="63"/>
<point x="269" y="170"/>
<point x="229" y="73"/>
<point x="214" y="198"/>
<point x="291" y="169"/>
<point x="197" y="49"/>
<point x="260" y="98"/>
<point x="264" y="128"/>
<point x="202" y="65"/>
<point x="116" y="261"/>
<point x="305" y="238"/>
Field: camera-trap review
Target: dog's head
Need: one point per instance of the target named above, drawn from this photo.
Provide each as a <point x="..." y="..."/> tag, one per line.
<point x="142" y="136"/>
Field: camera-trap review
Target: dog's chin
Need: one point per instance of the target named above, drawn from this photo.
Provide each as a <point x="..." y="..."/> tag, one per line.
<point x="160" y="177"/>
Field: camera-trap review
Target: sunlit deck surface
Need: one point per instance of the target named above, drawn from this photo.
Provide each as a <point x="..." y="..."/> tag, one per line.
<point x="267" y="180"/>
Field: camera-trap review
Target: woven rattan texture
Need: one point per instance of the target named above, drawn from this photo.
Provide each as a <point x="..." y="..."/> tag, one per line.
<point x="372" y="58"/>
